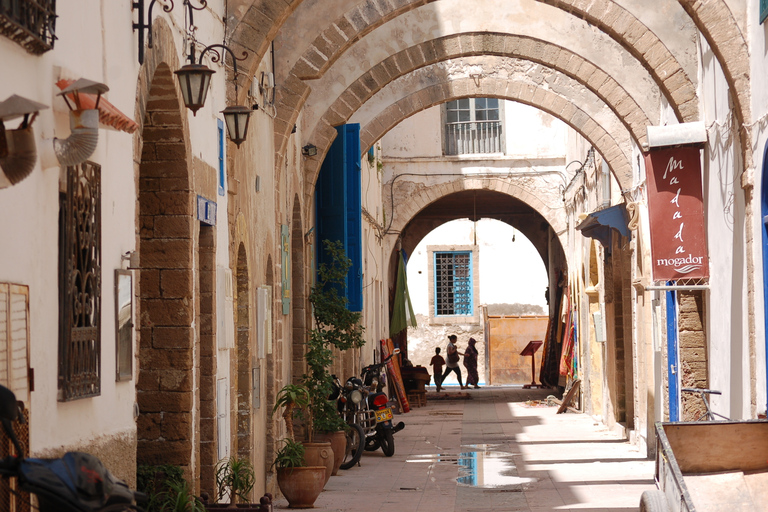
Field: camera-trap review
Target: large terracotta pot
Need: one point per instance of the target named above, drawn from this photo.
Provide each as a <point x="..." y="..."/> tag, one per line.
<point x="301" y="486"/>
<point x="319" y="454"/>
<point x="338" y="442"/>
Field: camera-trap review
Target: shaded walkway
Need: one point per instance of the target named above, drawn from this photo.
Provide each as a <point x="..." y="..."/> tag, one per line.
<point x="508" y="456"/>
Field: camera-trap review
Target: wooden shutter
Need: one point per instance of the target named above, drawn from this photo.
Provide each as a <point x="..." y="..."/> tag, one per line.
<point x="14" y="339"/>
<point x="339" y="212"/>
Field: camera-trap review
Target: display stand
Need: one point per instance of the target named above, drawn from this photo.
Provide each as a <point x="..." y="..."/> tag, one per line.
<point x="530" y="350"/>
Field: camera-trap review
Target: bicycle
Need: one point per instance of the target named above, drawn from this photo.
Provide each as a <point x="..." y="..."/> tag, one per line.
<point x="709" y="414"/>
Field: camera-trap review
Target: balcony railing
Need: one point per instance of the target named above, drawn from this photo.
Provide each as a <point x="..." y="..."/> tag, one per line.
<point x="473" y="137"/>
<point x="30" y="23"/>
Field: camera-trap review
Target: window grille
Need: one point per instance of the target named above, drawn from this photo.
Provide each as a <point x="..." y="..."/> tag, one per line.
<point x="30" y="23"/>
<point x="473" y="126"/>
<point x="80" y="284"/>
<point x="453" y="283"/>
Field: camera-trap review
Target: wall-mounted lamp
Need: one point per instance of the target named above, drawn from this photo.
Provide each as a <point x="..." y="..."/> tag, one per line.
<point x="141" y="26"/>
<point x="83" y="123"/>
<point x="309" y="150"/>
<point x="194" y="79"/>
<point x="17" y="147"/>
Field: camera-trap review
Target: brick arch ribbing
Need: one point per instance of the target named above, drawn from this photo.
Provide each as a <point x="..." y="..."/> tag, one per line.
<point x="421" y="55"/>
<point x="442" y="91"/>
<point x="715" y="21"/>
<point x="165" y="240"/>
<point x="632" y="34"/>
<point x="420" y="199"/>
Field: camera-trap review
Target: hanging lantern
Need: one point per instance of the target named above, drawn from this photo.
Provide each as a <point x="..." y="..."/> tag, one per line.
<point x="236" y="118"/>
<point x="194" y="80"/>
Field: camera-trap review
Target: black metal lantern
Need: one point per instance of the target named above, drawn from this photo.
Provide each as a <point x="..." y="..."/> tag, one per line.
<point x="194" y="80"/>
<point x="236" y="118"/>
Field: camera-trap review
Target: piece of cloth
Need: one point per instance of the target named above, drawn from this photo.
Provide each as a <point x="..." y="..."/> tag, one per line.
<point x="470" y="363"/>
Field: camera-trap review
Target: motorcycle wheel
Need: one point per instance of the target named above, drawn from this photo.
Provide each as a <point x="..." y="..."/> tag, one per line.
<point x="355" y="445"/>
<point x="387" y="441"/>
<point x="372" y="443"/>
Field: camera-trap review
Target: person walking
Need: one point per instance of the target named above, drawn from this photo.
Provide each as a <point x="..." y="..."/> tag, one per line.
<point x="452" y="363"/>
<point x="470" y="363"/>
<point x="437" y="364"/>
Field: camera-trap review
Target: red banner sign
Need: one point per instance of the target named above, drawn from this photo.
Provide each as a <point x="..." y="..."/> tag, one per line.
<point x="678" y="232"/>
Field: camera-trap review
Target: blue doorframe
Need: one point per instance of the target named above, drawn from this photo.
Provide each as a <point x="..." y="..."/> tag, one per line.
<point x="764" y="214"/>
<point x="673" y="367"/>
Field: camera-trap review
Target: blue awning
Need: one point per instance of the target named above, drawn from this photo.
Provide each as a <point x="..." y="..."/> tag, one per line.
<point x="598" y="224"/>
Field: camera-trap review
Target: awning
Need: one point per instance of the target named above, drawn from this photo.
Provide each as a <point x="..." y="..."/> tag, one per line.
<point x="598" y="224"/>
<point x="109" y="115"/>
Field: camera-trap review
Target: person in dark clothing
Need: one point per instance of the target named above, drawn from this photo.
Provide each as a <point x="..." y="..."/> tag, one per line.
<point x="437" y="364"/>
<point x="470" y="363"/>
<point x="452" y="364"/>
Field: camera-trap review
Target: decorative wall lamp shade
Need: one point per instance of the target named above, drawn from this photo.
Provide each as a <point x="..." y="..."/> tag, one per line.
<point x="236" y="118"/>
<point x="309" y="150"/>
<point x="83" y="123"/>
<point x="18" y="153"/>
<point x="194" y="80"/>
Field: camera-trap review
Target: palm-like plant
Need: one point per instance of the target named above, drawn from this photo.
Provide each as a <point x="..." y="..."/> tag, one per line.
<point x="291" y="397"/>
<point x="235" y="476"/>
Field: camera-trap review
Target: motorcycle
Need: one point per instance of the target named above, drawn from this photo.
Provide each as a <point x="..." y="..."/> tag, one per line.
<point x="380" y="429"/>
<point x="348" y="397"/>
<point x="77" y="482"/>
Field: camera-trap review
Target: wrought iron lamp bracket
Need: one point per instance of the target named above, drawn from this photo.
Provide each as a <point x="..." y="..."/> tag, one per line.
<point x="142" y="26"/>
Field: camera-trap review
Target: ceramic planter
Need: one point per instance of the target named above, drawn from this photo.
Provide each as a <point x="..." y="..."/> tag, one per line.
<point x="338" y="442"/>
<point x="319" y="454"/>
<point x="301" y="486"/>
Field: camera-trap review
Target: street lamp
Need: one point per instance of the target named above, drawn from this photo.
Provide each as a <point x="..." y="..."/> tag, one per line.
<point x="195" y="78"/>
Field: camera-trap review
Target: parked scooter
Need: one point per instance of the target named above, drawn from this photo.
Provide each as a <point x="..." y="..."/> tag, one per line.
<point x="380" y="432"/>
<point x="77" y="482"/>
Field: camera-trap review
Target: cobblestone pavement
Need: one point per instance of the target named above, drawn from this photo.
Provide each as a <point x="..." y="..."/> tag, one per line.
<point x="503" y="449"/>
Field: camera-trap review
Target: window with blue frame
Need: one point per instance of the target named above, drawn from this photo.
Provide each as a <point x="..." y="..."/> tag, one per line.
<point x="763" y="10"/>
<point x="220" y="142"/>
<point x="453" y="283"/>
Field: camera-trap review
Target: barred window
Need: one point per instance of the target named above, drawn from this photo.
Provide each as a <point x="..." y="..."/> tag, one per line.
<point x="30" y="23"/>
<point x="453" y="283"/>
<point x="80" y="283"/>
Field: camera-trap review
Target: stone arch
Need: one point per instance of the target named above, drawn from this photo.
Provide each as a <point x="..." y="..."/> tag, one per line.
<point x="298" y="299"/>
<point x="605" y="87"/>
<point x="554" y="104"/>
<point x="634" y="35"/>
<point x="243" y="344"/>
<point x="166" y="243"/>
<point x="715" y="21"/>
<point x="420" y="199"/>
<point x="274" y="372"/>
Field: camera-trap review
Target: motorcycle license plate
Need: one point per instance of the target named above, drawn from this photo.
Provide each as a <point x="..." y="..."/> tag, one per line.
<point x="383" y="415"/>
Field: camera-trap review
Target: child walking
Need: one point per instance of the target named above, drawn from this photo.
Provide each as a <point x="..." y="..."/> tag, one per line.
<point x="437" y="364"/>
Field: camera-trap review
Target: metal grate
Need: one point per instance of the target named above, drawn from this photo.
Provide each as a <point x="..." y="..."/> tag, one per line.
<point x="453" y="283"/>
<point x="11" y="498"/>
<point x="473" y="138"/>
<point x="30" y="23"/>
<point x="80" y="284"/>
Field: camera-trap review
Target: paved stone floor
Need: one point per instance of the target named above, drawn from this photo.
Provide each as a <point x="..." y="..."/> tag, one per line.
<point x="497" y="451"/>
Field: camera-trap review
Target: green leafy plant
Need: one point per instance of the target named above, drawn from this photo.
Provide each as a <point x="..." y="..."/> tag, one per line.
<point x="335" y="327"/>
<point x="290" y="455"/>
<point x="291" y="397"/>
<point x="166" y="489"/>
<point x="235" y="477"/>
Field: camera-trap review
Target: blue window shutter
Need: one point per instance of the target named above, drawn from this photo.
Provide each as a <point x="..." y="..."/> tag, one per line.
<point x="354" y="245"/>
<point x="339" y="212"/>
<point x="763" y="10"/>
<point x="285" y="243"/>
<point x="221" y="145"/>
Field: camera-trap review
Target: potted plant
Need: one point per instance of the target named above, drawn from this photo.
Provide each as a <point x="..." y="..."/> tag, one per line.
<point x="295" y="398"/>
<point x="166" y="489"/>
<point x="335" y="327"/>
<point x="299" y="483"/>
<point x="235" y="478"/>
